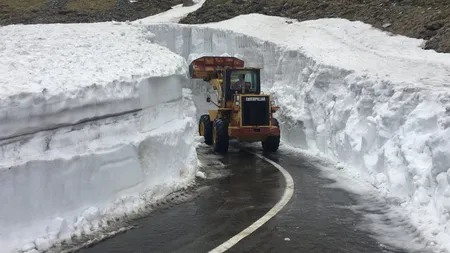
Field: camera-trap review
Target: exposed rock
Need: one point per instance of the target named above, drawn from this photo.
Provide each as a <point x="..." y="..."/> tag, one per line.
<point x="188" y="2"/>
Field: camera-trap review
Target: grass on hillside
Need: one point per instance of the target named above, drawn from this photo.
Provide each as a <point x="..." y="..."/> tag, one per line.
<point x="22" y="5"/>
<point x="90" y="5"/>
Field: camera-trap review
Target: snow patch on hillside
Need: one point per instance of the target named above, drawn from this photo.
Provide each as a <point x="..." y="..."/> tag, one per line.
<point x="174" y="15"/>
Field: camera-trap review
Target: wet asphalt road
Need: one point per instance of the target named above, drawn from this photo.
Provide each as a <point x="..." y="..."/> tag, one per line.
<point x="313" y="220"/>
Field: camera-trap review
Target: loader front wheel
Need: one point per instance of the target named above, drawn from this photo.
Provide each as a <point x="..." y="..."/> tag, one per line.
<point x="273" y="142"/>
<point x="220" y="135"/>
<point x="205" y="129"/>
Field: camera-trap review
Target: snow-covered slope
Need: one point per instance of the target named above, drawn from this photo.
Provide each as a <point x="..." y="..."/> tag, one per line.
<point x="94" y="124"/>
<point x="352" y="93"/>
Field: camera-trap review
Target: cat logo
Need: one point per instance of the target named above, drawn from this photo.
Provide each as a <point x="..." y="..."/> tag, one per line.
<point x="260" y="99"/>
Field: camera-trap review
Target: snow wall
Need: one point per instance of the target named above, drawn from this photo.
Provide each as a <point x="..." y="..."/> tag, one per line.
<point x="94" y="130"/>
<point x="391" y="131"/>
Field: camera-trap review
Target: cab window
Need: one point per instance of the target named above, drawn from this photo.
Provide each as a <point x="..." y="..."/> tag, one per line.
<point x="246" y="79"/>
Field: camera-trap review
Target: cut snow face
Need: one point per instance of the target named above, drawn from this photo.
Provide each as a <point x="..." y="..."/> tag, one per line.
<point x="379" y="104"/>
<point x="85" y="68"/>
<point x="94" y="126"/>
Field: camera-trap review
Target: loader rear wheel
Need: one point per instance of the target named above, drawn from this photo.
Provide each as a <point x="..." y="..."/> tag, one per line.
<point x="205" y="129"/>
<point x="220" y="136"/>
<point x="273" y="142"/>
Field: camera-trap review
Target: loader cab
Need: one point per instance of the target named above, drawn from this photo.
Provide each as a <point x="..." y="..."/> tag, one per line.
<point x="241" y="81"/>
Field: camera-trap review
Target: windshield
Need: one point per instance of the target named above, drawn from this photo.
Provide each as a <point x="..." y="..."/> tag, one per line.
<point x="243" y="81"/>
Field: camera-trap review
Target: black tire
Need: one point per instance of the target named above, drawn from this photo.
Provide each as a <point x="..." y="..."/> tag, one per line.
<point x="207" y="124"/>
<point x="273" y="142"/>
<point x="221" y="141"/>
<point x="275" y="122"/>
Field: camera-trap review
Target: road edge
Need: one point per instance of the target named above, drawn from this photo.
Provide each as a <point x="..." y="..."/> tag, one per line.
<point x="287" y="195"/>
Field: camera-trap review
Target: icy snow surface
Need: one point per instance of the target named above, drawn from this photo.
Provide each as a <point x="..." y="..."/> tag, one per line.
<point x="377" y="103"/>
<point x="94" y="124"/>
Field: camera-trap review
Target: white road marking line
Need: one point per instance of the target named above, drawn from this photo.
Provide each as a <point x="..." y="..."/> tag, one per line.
<point x="288" y="191"/>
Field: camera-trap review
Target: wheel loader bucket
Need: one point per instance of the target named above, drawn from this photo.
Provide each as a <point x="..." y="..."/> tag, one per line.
<point x="205" y="67"/>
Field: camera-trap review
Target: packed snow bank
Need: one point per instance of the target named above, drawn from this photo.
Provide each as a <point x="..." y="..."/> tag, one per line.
<point x="74" y="179"/>
<point x="91" y="70"/>
<point x="377" y="102"/>
<point x="135" y="143"/>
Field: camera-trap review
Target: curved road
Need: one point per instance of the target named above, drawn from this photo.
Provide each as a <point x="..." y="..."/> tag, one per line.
<point x="312" y="221"/>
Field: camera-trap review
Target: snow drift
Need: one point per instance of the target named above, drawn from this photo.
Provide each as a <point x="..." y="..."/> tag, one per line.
<point x="377" y="102"/>
<point x="94" y="125"/>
